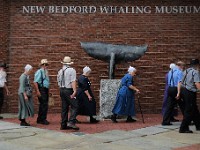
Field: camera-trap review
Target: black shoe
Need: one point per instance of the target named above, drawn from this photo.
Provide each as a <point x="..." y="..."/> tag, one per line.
<point x="113" y="118"/>
<point x="185" y="131"/>
<point x="24" y="124"/>
<point x="44" y="122"/>
<point x="166" y="124"/>
<point x="1" y="117"/>
<point x="72" y="126"/>
<point x="129" y="119"/>
<point x="93" y="120"/>
<point x="174" y="120"/>
<point x="64" y="128"/>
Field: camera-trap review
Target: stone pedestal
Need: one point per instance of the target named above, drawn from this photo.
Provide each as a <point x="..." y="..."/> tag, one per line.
<point x="108" y="93"/>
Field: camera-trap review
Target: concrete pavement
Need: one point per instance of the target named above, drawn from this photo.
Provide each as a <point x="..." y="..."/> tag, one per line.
<point x="15" y="137"/>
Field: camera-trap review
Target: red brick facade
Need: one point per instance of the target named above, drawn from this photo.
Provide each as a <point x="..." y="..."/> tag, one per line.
<point x="32" y="37"/>
<point x="4" y="35"/>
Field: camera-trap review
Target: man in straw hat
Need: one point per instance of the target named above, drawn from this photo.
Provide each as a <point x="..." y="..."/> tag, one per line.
<point x="67" y="82"/>
<point x="41" y="82"/>
<point x="188" y="88"/>
<point x="3" y="86"/>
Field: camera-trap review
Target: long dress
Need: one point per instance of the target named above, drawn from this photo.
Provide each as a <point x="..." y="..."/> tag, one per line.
<point x="26" y="108"/>
<point x="125" y="103"/>
<point x="86" y="107"/>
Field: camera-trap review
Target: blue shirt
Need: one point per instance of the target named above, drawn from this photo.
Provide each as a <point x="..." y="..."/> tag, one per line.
<point x="174" y="77"/>
<point x="41" y="73"/>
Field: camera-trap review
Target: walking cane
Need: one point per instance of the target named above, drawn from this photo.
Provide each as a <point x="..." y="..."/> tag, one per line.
<point x="140" y="108"/>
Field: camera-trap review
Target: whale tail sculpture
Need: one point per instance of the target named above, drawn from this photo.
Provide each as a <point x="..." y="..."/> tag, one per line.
<point x="113" y="54"/>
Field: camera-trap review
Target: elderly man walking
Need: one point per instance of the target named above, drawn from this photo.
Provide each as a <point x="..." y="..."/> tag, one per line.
<point x="174" y="78"/>
<point x="41" y="82"/>
<point x="189" y="87"/>
<point x="67" y="83"/>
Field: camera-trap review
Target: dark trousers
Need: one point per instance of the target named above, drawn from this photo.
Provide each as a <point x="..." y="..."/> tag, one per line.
<point x="171" y="103"/>
<point x="66" y="102"/>
<point x="191" y="112"/>
<point x="1" y="98"/>
<point x="43" y="106"/>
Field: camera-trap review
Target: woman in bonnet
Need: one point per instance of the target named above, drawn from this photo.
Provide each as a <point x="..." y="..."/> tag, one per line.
<point x="26" y="107"/>
<point x="87" y="103"/>
<point x="124" y="104"/>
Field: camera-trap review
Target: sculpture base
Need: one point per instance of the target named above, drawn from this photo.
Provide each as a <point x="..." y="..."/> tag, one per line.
<point x="108" y="93"/>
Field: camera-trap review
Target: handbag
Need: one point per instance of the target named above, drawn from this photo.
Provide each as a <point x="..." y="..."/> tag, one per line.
<point x="28" y="88"/>
<point x="28" y="91"/>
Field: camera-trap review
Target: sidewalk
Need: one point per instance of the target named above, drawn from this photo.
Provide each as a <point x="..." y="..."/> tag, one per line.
<point x="155" y="137"/>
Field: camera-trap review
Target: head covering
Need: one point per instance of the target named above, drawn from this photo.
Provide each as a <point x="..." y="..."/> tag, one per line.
<point x="194" y="62"/>
<point x="44" y="61"/>
<point x="67" y="61"/>
<point x="3" y="65"/>
<point x="86" y="69"/>
<point x="180" y="63"/>
<point x="131" y="69"/>
<point x="28" y="67"/>
<point x="172" y="66"/>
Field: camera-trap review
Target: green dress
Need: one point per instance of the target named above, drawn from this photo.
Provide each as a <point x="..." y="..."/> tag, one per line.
<point x="26" y="108"/>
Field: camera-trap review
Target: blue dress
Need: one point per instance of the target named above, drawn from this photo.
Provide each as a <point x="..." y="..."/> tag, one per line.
<point x="125" y="104"/>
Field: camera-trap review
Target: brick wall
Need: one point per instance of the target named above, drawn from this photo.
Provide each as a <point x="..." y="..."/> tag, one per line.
<point x="4" y="36"/>
<point x="4" y="29"/>
<point x="53" y="36"/>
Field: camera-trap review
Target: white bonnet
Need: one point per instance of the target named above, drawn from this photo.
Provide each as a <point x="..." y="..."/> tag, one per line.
<point x="86" y="69"/>
<point x="28" y="67"/>
<point x="172" y="66"/>
<point x="131" y="69"/>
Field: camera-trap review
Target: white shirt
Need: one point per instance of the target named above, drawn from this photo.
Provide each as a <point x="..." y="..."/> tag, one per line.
<point x="69" y="77"/>
<point x="2" y="78"/>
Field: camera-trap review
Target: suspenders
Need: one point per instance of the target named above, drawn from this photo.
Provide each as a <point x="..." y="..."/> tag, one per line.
<point x="172" y="79"/>
<point x="63" y="77"/>
<point x="185" y="77"/>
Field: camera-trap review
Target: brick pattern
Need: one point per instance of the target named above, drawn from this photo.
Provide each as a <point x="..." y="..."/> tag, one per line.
<point x="53" y="36"/>
<point x="4" y="29"/>
<point x="4" y="36"/>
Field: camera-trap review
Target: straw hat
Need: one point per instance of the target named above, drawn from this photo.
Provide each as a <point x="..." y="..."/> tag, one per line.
<point x="44" y="61"/>
<point x="67" y="61"/>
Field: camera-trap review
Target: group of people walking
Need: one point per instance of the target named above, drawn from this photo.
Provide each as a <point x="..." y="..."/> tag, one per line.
<point x="181" y="89"/>
<point x="81" y="101"/>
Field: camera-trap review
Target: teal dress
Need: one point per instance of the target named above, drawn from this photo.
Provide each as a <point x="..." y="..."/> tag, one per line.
<point x="125" y="104"/>
<point x="26" y="108"/>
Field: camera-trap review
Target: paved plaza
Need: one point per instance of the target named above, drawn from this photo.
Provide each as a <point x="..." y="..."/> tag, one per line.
<point x="155" y="137"/>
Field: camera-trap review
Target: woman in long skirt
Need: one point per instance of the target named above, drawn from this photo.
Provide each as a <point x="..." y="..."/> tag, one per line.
<point x="26" y="107"/>
<point x="87" y="103"/>
<point x="125" y="97"/>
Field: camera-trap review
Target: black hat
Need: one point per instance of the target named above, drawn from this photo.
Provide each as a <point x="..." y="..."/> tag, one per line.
<point x="194" y="62"/>
<point x="3" y="65"/>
